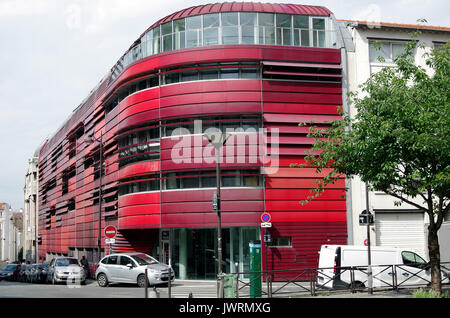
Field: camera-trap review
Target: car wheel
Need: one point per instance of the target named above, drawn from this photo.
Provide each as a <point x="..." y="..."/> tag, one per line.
<point x="102" y="280"/>
<point x="358" y="285"/>
<point x="141" y="280"/>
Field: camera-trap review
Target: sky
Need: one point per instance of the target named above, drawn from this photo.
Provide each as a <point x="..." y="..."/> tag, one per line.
<point x="54" y="52"/>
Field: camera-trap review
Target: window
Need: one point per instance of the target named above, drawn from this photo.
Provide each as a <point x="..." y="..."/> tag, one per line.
<point x="414" y="260"/>
<point x="179" y="33"/>
<point x="248" y="23"/>
<point x="211" y="29"/>
<point x="318" y="25"/>
<point x="207" y="179"/>
<point x="125" y="260"/>
<point x="230" y="31"/>
<point x="208" y="74"/>
<point x="282" y="242"/>
<point x="385" y="52"/>
<point x="139" y="184"/>
<point x="193" y="31"/>
<point x="156" y="40"/>
<point x="266" y="28"/>
<point x="230" y="28"/>
<point x="438" y="46"/>
<point x="283" y="24"/>
<point x="166" y="33"/>
<point x="229" y="73"/>
<point x="111" y="260"/>
<point x="172" y="78"/>
<point x="187" y="76"/>
<point x="301" y="30"/>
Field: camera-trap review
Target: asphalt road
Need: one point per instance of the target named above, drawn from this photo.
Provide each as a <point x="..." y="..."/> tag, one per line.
<point x="180" y="289"/>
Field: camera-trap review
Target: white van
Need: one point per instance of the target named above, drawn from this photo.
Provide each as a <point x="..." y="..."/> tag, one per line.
<point x="335" y="261"/>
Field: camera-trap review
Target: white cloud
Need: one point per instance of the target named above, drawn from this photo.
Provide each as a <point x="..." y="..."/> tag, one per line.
<point x="23" y="7"/>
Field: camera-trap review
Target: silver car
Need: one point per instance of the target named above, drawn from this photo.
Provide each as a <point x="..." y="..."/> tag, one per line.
<point x="130" y="268"/>
<point x="65" y="269"/>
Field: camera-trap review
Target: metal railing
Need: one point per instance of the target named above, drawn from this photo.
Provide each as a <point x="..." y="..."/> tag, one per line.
<point x="315" y="281"/>
<point x="311" y="281"/>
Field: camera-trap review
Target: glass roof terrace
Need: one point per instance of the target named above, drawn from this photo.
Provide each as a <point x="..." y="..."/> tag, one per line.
<point x="231" y="28"/>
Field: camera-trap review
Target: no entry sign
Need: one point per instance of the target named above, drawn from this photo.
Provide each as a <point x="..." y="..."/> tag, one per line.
<point x="110" y="231"/>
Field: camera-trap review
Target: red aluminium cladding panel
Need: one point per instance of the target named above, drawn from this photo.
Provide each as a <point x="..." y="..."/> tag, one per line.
<point x="201" y="87"/>
<point x="300" y="108"/>
<point x="138" y="108"/>
<point x="237" y="162"/>
<point x="226" y="52"/>
<point x="217" y="107"/>
<point x="206" y="206"/>
<point x="140" y="198"/>
<point x="307" y="183"/>
<point x="211" y="97"/>
<point x="210" y="219"/>
<point x="301" y="194"/>
<point x="206" y="195"/>
<point x="140" y="222"/>
<point x="307" y="216"/>
<point x="139" y="168"/>
<point x="313" y="205"/>
<point x="302" y="87"/>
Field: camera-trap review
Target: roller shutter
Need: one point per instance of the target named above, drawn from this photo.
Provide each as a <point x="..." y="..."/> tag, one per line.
<point x="401" y="229"/>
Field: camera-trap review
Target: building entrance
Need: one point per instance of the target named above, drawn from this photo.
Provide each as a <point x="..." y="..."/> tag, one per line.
<point x="194" y="251"/>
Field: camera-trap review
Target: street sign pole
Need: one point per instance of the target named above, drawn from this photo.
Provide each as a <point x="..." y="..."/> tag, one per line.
<point x="369" y="261"/>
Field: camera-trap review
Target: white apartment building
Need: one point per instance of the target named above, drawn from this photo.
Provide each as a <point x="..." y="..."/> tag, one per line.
<point x="30" y="210"/>
<point x="400" y="226"/>
<point x="10" y="235"/>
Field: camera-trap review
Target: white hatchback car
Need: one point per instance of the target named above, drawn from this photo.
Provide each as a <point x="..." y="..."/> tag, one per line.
<point x="130" y="268"/>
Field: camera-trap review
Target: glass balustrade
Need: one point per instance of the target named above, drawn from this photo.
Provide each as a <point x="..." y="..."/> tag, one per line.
<point x="231" y="28"/>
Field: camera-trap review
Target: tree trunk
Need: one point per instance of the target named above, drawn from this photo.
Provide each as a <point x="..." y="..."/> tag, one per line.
<point x="435" y="258"/>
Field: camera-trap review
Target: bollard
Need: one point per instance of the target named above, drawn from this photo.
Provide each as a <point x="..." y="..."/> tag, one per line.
<point x="269" y="285"/>
<point x="169" y="284"/>
<point x="154" y="293"/>
<point x="146" y="282"/>
<point x="228" y="285"/>
<point x="236" y="287"/>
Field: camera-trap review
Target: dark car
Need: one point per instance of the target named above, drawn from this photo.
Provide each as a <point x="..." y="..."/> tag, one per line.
<point x="16" y="273"/>
<point x="23" y="274"/>
<point x="43" y="272"/>
<point x="7" y="272"/>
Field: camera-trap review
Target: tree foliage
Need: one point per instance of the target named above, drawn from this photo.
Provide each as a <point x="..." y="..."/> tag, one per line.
<point x="399" y="139"/>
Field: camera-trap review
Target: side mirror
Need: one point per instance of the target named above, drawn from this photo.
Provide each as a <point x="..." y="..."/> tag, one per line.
<point x="130" y="266"/>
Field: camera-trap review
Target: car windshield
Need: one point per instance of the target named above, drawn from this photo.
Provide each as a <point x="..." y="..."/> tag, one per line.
<point x="143" y="259"/>
<point x="9" y="268"/>
<point x="66" y="262"/>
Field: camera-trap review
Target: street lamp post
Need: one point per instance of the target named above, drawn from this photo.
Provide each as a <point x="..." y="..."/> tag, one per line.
<point x="218" y="140"/>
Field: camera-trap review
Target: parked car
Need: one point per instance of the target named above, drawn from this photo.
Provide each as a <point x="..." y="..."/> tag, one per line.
<point x="16" y="273"/>
<point x="335" y="261"/>
<point x="34" y="273"/>
<point x="63" y="269"/>
<point x="23" y="273"/>
<point x="43" y="272"/>
<point x="130" y="268"/>
<point x="7" y="272"/>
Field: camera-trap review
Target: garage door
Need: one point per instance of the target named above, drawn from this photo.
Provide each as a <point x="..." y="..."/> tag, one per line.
<point x="401" y="229"/>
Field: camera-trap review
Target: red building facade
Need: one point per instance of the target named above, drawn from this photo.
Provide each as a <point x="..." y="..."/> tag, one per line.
<point x="254" y="70"/>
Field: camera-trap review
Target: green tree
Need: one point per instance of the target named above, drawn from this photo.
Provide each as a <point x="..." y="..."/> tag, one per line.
<point x="398" y="142"/>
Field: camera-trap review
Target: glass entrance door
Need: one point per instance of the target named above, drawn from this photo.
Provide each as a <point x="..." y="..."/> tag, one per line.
<point x="194" y="251"/>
